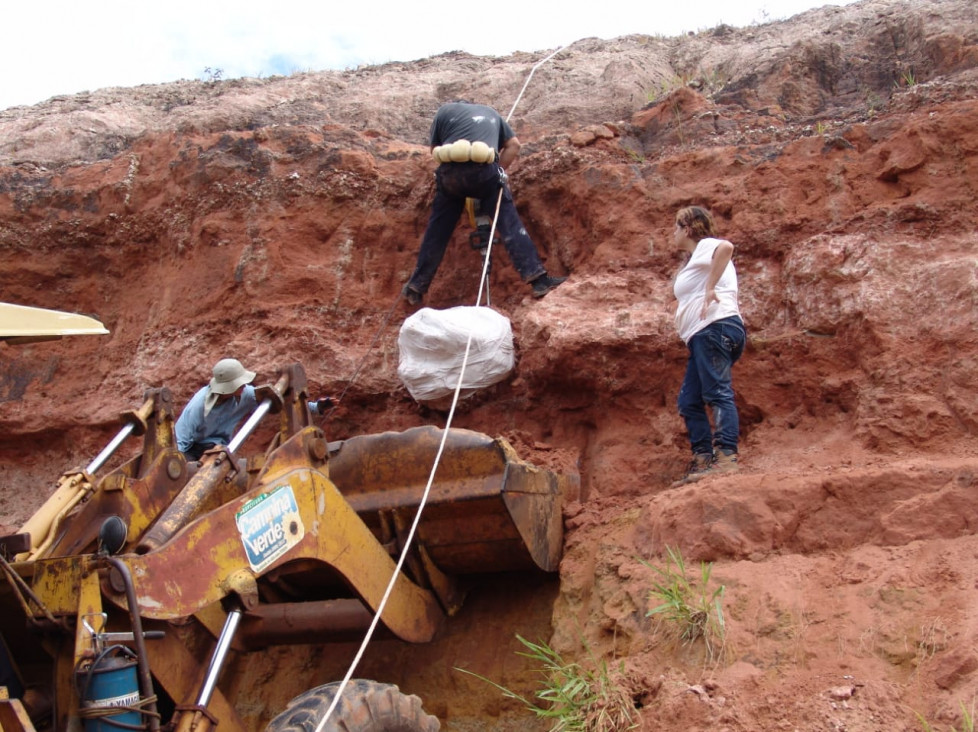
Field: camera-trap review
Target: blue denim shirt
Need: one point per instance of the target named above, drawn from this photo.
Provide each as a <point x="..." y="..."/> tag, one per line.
<point x="216" y="428"/>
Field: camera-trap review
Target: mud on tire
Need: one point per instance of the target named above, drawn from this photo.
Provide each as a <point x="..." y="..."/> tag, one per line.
<point x="366" y="706"/>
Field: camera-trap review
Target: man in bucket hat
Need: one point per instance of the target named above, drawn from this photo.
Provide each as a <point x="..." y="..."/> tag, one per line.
<point x="213" y="413"/>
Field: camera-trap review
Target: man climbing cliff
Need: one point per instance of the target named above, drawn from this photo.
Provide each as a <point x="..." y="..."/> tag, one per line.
<point x="474" y="145"/>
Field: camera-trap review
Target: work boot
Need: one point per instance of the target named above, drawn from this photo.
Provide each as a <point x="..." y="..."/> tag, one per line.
<point x="545" y="283"/>
<point x="413" y="297"/>
<point x="700" y="467"/>
<point x="726" y="461"/>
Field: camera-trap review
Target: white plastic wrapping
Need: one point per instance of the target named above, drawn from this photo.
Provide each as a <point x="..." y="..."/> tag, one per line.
<point x="431" y="348"/>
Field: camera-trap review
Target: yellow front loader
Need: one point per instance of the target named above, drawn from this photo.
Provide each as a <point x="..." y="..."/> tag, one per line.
<point x="124" y="597"/>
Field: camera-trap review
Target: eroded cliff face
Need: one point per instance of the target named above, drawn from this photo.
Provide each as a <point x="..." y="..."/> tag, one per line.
<point x="276" y="220"/>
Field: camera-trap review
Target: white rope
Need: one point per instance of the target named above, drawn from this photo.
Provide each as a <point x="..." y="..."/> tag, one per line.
<point x="404" y="551"/>
<point x="484" y="279"/>
<point x="532" y="71"/>
<point x="492" y="231"/>
<point x="441" y="448"/>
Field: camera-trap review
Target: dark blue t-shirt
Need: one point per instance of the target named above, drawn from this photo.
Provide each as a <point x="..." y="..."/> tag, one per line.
<point x="472" y="122"/>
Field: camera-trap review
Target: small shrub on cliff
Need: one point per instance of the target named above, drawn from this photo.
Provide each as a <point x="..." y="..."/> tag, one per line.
<point x="212" y="75"/>
<point x="689" y="606"/>
<point x="573" y="697"/>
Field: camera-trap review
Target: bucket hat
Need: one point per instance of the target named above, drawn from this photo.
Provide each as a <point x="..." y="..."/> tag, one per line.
<point x="229" y="376"/>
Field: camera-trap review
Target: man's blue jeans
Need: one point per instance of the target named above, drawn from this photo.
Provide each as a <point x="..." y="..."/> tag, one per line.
<point x="454" y="183"/>
<point x="712" y="353"/>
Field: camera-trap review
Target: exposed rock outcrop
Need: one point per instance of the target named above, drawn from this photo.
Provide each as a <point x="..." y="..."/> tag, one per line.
<point x="276" y="219"/>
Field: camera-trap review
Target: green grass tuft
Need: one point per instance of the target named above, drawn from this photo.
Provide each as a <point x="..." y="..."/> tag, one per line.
<point x="573" y="697"/>
<point x="689" y="606"/>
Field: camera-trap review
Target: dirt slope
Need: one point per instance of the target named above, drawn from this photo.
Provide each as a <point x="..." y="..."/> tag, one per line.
<point x="276" y="219"/>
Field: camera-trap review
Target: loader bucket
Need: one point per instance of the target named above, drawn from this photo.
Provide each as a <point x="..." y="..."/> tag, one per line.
<point x="487" y="510"/>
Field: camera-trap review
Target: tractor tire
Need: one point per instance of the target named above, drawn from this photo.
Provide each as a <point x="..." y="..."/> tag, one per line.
<point x="366" y="706"/>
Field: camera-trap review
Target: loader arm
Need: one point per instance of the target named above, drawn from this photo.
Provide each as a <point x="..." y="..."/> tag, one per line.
<point x="294" y="545"/>
<point x="137" y="490"/>
<point x="293" y="513"/>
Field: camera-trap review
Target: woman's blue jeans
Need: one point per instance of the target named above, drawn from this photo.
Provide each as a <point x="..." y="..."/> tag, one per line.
<point x="712" y="353"/>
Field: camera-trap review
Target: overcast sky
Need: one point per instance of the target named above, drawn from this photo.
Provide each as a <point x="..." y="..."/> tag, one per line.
<point x="53" y="47"/>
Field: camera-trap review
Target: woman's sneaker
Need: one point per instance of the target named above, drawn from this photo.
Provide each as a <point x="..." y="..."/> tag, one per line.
<point x="700" y="467"/>
<point x="725" y="462"/>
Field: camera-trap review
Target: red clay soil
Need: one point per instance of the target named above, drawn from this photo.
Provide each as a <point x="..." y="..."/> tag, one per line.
<point x="275" y="220"/>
